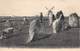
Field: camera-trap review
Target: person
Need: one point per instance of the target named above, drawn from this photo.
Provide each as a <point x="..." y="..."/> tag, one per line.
<point x="41" y="17"/>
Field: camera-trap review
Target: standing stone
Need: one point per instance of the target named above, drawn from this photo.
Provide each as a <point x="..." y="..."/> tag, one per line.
<point x="57" y="25"/>
<point x="33" y="30"/>
<point x="74" y="20"/>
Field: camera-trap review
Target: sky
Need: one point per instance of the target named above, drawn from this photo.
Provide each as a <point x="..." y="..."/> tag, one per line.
<point x="34" y="7"/>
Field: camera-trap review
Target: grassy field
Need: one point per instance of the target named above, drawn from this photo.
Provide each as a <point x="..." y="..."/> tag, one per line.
<point x="65" y="39"/>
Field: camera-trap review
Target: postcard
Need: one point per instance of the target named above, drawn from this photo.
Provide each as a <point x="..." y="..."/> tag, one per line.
<point x="39" y="24"/>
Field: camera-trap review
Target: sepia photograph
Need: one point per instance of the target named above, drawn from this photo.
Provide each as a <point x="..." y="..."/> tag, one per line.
<point x="40" y="24"/>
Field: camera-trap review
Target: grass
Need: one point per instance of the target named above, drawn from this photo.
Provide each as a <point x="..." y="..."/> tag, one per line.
<point x="63" y="39"/>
